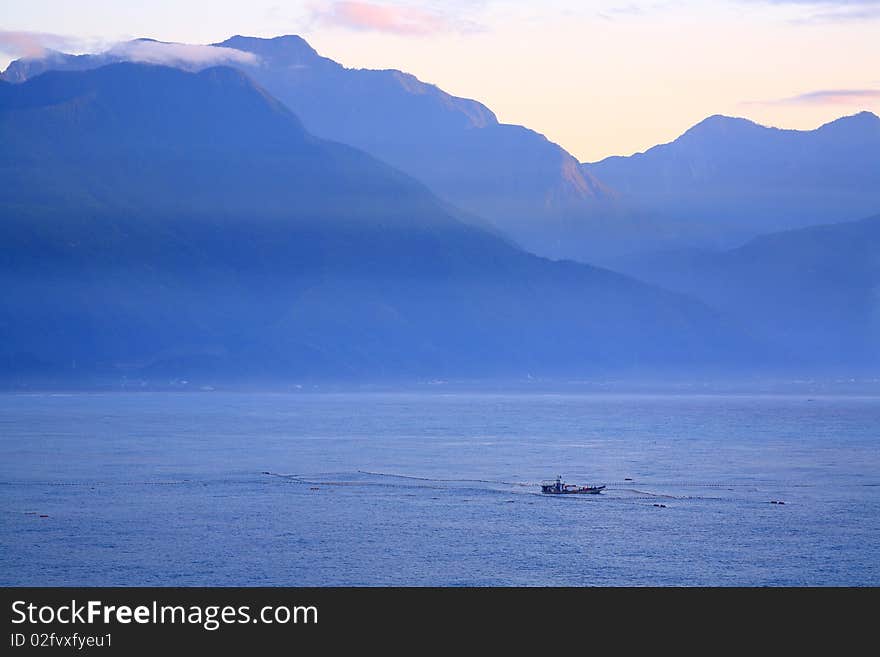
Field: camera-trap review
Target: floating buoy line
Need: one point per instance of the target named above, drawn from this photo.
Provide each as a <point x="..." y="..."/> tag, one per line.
<point x="94" y="484"/>
<point x="626" y="490"/>
<point x="443" y="483"/>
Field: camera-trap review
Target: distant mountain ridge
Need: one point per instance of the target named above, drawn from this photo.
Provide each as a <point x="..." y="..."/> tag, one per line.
<point x="723" y="182"/>
<point x="740" y="179"/>
<point x="529" y="188"/>
<point x="811" y="294"/>
<point x="161" y="223"/>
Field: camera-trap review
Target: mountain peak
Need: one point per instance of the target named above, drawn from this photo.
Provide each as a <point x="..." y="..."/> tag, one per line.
<point x="21" y="69"/>
<point x="857" y="121"/>
<point x="287" y="49"/>
<point x="719" y="124"/>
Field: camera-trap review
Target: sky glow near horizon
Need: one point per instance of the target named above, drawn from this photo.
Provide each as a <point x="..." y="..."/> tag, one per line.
<point x="599" y="77"/>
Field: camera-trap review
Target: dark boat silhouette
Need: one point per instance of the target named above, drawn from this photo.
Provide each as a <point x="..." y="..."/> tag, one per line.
<point x="558" y="487"/>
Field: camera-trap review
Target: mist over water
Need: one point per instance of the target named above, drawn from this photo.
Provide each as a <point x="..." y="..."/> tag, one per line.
<point x="438" y="489"/>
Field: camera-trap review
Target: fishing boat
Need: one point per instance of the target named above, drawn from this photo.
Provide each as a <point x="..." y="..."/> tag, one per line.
<point x="558" y="487"/>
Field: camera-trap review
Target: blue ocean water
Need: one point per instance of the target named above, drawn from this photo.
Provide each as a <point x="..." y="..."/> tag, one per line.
<point x="438" y="489"/>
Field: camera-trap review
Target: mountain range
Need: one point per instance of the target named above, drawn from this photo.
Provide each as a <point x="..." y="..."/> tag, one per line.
<point x="505" y="176"/>
<point x="160" y="222"/>
<point x="721" y="183"/>
<point x="727" y="180"/>
<point x="290" y="217"/>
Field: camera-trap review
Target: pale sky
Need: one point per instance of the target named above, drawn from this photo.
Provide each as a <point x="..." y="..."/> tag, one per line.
<point x="600" y="77"/>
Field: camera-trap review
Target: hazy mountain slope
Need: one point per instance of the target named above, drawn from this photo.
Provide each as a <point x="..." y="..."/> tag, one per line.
<point x="741" y="179"/>
<point x="163" y="222"/>
<point x="529" y="188"/>
<point x="813" y="293"/>
<point x="23" y="69"/>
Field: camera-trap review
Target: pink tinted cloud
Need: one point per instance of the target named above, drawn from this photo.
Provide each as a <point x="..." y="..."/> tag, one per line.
<point x="836" y="97"/>
<point x="832" y="97"/>
<point x="824" y="97"/>
<point x="367" y="16"/>
<point x="31" y="44"/>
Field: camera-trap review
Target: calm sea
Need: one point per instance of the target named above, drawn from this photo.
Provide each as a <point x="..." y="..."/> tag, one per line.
<point x="438" y="489"/>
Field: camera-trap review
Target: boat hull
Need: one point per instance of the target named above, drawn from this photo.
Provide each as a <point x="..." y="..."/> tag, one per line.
<point x="585" y="490"/>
